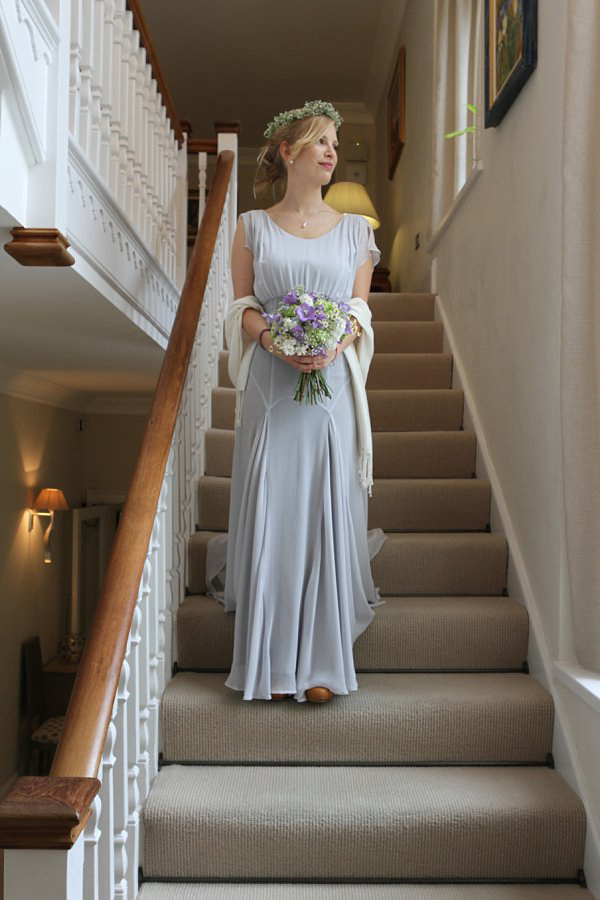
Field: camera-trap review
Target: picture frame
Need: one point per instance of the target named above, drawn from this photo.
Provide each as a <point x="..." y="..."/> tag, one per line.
<point x="396" y="119"/>
<point x="510" y="53"/>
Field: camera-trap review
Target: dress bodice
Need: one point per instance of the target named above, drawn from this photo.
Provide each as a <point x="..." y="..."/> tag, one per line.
<point x="327" y="263"/>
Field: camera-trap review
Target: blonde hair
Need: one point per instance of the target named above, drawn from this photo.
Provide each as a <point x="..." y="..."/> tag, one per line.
<point x="271" y="171"/>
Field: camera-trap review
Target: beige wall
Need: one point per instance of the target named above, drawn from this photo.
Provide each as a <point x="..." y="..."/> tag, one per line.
<point x="110" y="446"/>
<point x="40" y="446"/>
<point x="404" y="203"/>
<point x="43" y="446"/>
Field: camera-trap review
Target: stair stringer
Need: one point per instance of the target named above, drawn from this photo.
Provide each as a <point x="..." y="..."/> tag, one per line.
<point x="519" y="587"/>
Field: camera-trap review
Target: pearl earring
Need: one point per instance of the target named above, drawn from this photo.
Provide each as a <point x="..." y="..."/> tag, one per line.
<point x="291" y="162"/>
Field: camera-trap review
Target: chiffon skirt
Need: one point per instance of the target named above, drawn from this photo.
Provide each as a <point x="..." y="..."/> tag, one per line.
<point x="298" y="561"/>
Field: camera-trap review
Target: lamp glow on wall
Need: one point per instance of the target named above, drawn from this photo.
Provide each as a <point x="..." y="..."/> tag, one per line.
<point x="47" y="502"/>
<point x="349" y="197"/>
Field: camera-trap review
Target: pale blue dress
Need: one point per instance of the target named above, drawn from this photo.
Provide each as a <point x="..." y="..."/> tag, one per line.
<point x="298" y="562"/>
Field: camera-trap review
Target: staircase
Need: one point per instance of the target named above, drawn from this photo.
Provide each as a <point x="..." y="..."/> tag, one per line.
<point x="435" y="779"/>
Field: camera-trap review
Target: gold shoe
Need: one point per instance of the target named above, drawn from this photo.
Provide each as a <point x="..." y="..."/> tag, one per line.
<point x="318" y="695"/>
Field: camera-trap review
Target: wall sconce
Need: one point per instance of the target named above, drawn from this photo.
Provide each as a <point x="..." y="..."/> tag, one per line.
<point x="350" y="197"/>
<point x="48" y="500"/>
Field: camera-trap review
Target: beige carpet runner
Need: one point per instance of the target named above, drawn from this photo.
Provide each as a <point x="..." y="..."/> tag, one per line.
<point x="434" y="780"/>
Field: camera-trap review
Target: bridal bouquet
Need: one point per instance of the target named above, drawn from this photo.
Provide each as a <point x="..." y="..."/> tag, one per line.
<point x="308" y="323"/>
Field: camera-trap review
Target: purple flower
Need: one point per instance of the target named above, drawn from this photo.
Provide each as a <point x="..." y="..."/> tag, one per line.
<point x="344" y="306"/>
<point x="271" y="319"/>
<point x="305" y="312"/>
<point x="348" y="327"/>
<point x="298" y="332"/>
<point x="290" y="299"/>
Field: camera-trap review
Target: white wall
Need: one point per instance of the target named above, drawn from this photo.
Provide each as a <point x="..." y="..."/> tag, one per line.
<point x="498" y="278"/>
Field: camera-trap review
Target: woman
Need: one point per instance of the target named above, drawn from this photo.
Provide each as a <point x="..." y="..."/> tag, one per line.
<point x="298" y="572"/>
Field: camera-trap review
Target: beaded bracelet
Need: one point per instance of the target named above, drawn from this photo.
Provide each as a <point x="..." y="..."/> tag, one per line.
<point x="355" y="327"/>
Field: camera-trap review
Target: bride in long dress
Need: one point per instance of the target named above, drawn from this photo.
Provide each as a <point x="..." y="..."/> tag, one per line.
<point x="298" y="560"/>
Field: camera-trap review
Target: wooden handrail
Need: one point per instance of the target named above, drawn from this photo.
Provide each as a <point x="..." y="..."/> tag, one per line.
<point x="88" y="716"/>
<point x="146" y="41"/>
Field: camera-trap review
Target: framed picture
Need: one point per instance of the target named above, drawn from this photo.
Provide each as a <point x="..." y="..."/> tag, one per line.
<point x="396" y="113"/>
<point x="510" y="53"/>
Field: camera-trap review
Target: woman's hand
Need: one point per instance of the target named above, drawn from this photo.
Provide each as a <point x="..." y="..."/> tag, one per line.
<point x="303" y="363"/>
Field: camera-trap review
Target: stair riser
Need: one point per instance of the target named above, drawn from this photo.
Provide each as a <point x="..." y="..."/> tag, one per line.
<point x="389" y="370"/>
<point x="396" y="505"/>
<point x="390" y="410"/>
<point x="395" y="454"/>
<point x="401" y="720"/>
<point x="402" y="307"/>
<point x="413" y="567"/>
<point x="327" y="823"/>
<point x="407" y="634"/>
<point x="408" y="337"/>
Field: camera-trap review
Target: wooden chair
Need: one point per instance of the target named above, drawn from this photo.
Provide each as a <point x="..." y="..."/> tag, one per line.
<point x="43" y="732"/>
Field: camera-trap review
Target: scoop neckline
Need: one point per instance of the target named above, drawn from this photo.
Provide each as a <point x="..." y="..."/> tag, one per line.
<point x="298" y="238"/>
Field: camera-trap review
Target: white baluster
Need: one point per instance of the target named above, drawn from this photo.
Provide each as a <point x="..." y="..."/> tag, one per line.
<point x="106" y="847"/>
<point x="138" y="166"/>
<point x="115" y="96"/>
<point x="122" y="190"/>
<point x="169" y="606"/>
<point x="133" y="755"/>
<point x="85" y="106"/>
<point x="152" y="633"/>
<point x="120" y="782"/>
<point x="144" y="685"/>
<point x="91" y="838"/>
<point x="132" y="121"/>
<point x="75" y="68"/>
<point x="202" y="169"/>
<point x="161" y="563"/>
<point x="97" y="43"/>
<point x="107" y="90"/>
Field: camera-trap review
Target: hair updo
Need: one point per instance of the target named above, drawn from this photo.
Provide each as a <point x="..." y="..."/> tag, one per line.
<point x="271" y="169"/>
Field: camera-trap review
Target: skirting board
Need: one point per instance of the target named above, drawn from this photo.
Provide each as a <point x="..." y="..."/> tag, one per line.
<point x="519" y="587"/>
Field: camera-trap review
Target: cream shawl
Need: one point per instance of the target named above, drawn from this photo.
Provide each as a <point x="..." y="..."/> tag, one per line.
<point x="358" y="355"/>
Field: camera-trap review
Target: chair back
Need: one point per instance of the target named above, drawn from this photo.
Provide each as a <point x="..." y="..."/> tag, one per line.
<point x="34" y="682"/>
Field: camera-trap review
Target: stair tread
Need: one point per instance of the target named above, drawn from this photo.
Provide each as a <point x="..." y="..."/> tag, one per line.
<point x="207" y="891"/>
<point x="392" y="718"/>
<point x="362" y="822"/>
<point x="408" y="634"/>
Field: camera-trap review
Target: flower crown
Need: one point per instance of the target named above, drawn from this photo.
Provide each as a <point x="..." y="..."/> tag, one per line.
<point x="310" y="108"/>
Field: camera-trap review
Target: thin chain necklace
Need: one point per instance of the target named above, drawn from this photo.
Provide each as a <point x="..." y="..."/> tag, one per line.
<point x="309" y="216"/>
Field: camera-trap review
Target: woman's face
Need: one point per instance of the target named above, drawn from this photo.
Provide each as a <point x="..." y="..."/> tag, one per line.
<point x="317" y="161"/>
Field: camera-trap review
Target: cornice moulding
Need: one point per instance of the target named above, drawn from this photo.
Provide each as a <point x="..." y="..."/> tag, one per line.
<point x="29" y="386"/>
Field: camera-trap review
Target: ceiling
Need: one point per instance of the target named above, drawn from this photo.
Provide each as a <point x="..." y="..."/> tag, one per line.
<point x="63" y="341"/>
<point x="239" y="60"/>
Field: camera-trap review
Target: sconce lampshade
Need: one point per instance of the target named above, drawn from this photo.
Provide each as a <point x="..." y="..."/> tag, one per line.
<point x="51" y="499"/>
<point x="349" y="197"/>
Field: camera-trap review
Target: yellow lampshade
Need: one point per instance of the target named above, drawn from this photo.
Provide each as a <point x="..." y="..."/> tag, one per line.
<point x="349" y="197"/>
<point x="51" y="499"/>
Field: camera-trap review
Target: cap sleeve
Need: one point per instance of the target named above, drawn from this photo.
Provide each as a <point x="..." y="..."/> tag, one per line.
<point x="366" y="246"/>
<point x="248" y="221"/>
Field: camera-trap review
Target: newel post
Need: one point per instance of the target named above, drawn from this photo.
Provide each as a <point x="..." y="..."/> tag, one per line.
<point x="41" y="821"/>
